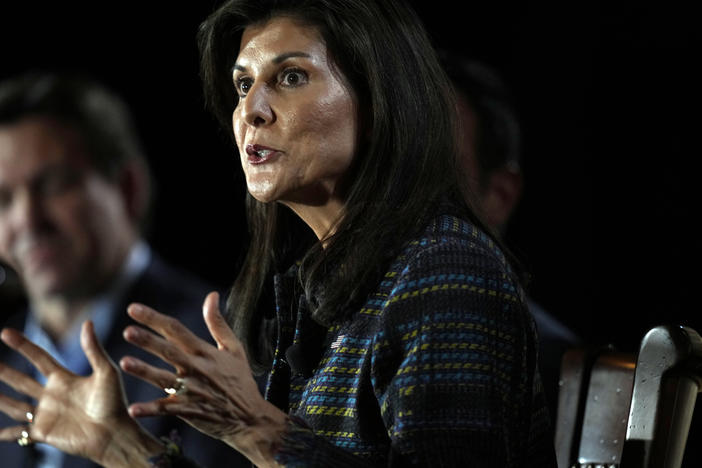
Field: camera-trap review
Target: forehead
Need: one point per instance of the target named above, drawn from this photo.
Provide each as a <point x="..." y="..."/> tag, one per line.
<point x="34" y="143"/>
<point x="264" y="42"/>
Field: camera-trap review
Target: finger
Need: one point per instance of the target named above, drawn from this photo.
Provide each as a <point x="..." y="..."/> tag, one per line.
<point x="16" y="409"/>
<point x="12" y="433"/>
<point x="217" y="325"/>
<point x="20" y="382"/>
<point x="159" y="378"/>
<point x="158" y="346"/>
<point x="147" y="409"/>
<point x="96" y="354"/>
<point x="36" y="355"/>
<point x="172" y="407"/>
<point x="166" y="326"/>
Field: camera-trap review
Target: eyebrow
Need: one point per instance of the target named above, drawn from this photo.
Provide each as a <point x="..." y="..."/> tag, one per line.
<point x="278" y="59"/>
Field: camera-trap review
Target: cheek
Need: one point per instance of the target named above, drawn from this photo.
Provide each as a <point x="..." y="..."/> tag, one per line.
<point x="238" y="128"/>
<point x="93" y="210"/>
<point x="328" y="129"/>
<point x="73" y="216"/>
<point x="4" y="240"/>
<point x="340" y="137"/>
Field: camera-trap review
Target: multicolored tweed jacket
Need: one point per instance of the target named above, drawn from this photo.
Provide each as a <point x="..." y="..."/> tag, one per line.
<point x="437" y="369"/>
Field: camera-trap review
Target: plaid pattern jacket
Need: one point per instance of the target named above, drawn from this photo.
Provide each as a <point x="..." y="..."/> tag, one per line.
<point x="439" y="367"/>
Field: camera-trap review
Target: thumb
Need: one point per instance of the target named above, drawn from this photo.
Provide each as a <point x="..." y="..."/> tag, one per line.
<point x="216" y="324"/>
<point x="96" y="354"/>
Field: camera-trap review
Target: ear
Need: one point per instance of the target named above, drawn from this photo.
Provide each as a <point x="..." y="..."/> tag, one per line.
<point x="501" y="195"/>
<point x="134" y="186"/>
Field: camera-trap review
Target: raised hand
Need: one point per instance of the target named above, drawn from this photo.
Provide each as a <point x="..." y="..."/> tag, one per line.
<point x="216" y="392"/>
<point x="84" y="416"/>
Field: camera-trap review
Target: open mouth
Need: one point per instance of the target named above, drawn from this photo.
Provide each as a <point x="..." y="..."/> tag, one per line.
<point x="259" y="154"/>
<point x="263" y="153"/>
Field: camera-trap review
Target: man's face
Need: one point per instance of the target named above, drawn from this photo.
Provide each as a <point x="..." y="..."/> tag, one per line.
<point x="63" y="227"/>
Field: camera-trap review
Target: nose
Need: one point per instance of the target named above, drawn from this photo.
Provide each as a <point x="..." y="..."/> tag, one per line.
<point x="255" y="107"/>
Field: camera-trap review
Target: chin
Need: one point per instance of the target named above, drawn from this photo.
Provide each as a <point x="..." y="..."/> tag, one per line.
<point x="262" y="191"/>
<point x="48" y="282"/>
<point x="46" y="290"/>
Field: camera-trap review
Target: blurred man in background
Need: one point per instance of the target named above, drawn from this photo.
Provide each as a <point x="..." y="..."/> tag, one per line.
<point x="490" y="153"/>
<point x="74" y="195"/>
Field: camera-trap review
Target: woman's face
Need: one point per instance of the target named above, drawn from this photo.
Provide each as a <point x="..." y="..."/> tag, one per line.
<point x="296" y="121"/>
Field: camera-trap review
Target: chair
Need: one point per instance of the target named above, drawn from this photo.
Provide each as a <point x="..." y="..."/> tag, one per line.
<point x="626" y="410"/>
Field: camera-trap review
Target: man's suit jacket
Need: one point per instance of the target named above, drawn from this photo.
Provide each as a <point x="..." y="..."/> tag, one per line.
<point x="169" y="291"/>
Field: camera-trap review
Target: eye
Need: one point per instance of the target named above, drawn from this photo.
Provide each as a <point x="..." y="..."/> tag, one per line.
<point x="243" y="85"/>
<point x="57" y="182"/>
<point x="293" y="77"/>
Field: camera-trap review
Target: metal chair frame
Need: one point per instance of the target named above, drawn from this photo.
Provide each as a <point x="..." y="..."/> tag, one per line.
<point x="629" y="410"/>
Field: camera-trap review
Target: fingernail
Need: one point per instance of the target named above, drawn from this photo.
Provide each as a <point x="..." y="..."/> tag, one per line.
<point x="132" y="333"/>
<point x="127" y="363"/>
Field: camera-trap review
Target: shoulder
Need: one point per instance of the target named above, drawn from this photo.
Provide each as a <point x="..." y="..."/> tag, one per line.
<point x="450" y="297"/>
<point x="451" y="248"/>
<point x="452" y="271"/>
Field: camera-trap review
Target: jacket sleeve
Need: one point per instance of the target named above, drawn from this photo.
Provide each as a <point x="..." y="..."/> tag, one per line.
<point x="455" y="362"/>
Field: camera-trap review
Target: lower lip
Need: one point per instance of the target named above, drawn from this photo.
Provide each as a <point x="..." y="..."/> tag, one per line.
<point x="256" y="160"/>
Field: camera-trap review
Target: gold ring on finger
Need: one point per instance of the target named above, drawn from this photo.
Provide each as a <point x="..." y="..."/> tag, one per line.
<point x="24" y="439"/>
<point x="178" y="388"/>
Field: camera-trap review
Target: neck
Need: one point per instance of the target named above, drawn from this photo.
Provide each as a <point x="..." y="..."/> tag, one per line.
<point x="321" y="219"/>
<point x="57" y="315"/>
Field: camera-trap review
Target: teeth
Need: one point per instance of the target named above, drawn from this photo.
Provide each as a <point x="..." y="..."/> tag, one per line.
<point x="263" y="153"/>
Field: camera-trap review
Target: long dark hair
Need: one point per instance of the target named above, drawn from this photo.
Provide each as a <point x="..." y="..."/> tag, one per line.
<point x="405" y="169"/>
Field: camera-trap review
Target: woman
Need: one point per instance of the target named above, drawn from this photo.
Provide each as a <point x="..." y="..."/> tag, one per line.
<point x="399" y="338"/>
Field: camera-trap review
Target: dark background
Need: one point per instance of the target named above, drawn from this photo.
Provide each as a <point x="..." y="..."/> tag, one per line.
<point x="604" y="93"/>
